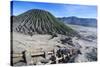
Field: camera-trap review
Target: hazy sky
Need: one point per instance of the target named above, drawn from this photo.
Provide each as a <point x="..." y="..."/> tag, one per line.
<point x="58" y="10"/>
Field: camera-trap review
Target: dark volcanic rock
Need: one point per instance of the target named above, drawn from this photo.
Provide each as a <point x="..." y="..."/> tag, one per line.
<point x="67" y="40"/>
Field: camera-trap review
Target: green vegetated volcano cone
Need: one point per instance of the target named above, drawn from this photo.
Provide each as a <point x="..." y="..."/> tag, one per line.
<point x="38" y="21"/>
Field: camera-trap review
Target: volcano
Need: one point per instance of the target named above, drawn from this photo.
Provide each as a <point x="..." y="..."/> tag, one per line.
<point x="37" y="21"/>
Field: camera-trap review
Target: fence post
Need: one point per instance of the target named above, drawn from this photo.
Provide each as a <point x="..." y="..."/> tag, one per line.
<point x="45" y="54"/>
<point x="28" y="58"/>
<point x="54" y="51"/>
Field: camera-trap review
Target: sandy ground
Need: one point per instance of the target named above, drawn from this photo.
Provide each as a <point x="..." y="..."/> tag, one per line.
<point x="88" y="43"/>
<point x="38" y="43"/>
<point x="34" y="43"/>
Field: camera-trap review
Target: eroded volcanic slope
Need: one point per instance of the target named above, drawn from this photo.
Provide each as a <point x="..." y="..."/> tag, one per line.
<point x="36" y="21"/>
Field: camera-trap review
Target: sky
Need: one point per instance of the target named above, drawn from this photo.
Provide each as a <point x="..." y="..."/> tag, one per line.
<point x="58" y="10"/>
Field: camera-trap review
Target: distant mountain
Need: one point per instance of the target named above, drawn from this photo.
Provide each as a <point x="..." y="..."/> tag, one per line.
<point x="38" y="21"/>
<point x="79" y="21"/>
